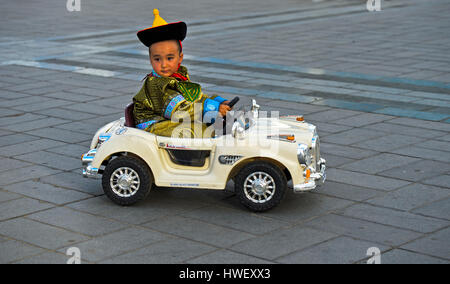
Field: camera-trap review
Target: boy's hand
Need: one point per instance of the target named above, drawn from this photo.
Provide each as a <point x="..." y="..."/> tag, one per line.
<point x="224" y="108"/>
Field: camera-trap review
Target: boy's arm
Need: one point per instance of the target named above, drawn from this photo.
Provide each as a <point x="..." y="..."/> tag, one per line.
<point x="214" y="105"/>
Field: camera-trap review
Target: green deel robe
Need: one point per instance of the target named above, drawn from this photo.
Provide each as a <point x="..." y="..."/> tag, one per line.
<point x="170" y="102"/>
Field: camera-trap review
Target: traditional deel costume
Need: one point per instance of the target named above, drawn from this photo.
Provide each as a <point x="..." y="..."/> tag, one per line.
<point x="164" y="104"/>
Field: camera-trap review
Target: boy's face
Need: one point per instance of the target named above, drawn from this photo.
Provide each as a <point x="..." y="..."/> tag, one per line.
<point x="165" y="57"/>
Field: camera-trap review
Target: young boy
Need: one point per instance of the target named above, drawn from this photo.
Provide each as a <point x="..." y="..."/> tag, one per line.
<point x="168" y="97"/>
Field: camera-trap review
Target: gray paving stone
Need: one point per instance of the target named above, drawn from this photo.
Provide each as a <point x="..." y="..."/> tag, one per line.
<point x="238" y="220"/>
<point x="442" y="181"/>
<point x="69" y="150"/>
<point x="436" y="146"/>
<point x="282" y="242"/>
<point x="27" y="86"/>
<point x="436" y="154"/>
<point x="6" y="196"/>
<point x="117" y="102"/>
<point x="335" y="161"/>
<point x="39" y="234"/>
<point x="85" y="127"/>
<point x="348" y="192"/>
<point x="48" y="89"/>
<point x="444" y="138"/>
<point x="341" y="250"/>
<point x="296" y="208"/>
<point x="20" y="118"/>
<point x="94" y="109"/>
<point x="298" y="107"/>
<point x="328" y="127"/>
<point x="428" y="95"/>
<point x="352" y="136"/>
<point x="364" y="180"/>
<point x="405" y="130"/>
<point x="379" y="163"/>
<point x="437" y="244"/>
<point x="345" y="151"/>
<point x="331" y="115"/>
<point x="363" y="119"/>
<point x="363" y="230"/>
<point x="174" y="250"/>
<point x="51" y="160"/>
<point x="42" y="105"/>
<point x="418" y="171"/>
<point x="74" y="181"/>
<point x="46" y="258"/>
<point x="14" y="250"/>
<point x="198" y="231"/>
<point x="28" y="147"/>
<point x="66" y="114"/>
<point x="410" y="197"/>
<point x="15" y="139"/>
<point x="25" y="101"/>
<point x="389" y="142"/>
<point x="394" y="218"/>
<point x="400" y="256"/>
<point x="20" y="207"/>
<point x="9" y="112"/>
<point x="105" y="119"/>
<point x="140" y="213"/>
<point x="117" y="243"/>
<point x="8" y="95"/>
<point x="421" y="123"/>
<point x="36" y="124"/>
<point x="9" y="164"/>
<point x="92" y="89"/>
<point x="224" y="256"/>
<point x="61" y="135"/>
<point x="439" y="209"/>
<point x="76" y="221"/>
<point x="46" y="192"/>
<point x="5" y="132"/>
<point x="68" y="96"/>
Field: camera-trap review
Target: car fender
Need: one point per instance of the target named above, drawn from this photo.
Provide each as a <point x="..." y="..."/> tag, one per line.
<point x="282" y="159"/>
<point x="142" y="145"/>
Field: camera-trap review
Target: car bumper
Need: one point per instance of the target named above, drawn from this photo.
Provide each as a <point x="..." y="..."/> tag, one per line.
<point x="316" y="179"/>
<point x="88" y="170"/>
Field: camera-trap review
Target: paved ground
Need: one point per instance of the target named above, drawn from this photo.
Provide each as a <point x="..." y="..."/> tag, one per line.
<point x="377" y="85"/>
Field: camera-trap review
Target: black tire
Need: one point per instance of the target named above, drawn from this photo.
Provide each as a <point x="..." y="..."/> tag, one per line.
<point x="263" y="198"/>
<point x="123" y="172"/>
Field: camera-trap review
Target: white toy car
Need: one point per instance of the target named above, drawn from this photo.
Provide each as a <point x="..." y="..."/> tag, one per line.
<point x="260" y="154"/>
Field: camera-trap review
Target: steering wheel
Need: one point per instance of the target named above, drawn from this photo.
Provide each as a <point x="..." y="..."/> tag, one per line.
<point x="233" y="102"/>
<point x="231" y="105"/>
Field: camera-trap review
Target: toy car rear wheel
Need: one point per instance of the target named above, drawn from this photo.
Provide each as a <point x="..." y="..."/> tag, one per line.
<point x="127" y="180"/>
<point x="260" y="186"/>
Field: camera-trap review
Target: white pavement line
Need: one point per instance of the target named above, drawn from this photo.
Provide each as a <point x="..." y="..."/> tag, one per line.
<point x="62" y="67"/>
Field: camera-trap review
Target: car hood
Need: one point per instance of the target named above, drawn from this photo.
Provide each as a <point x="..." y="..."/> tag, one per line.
<point x="283" y="126"/>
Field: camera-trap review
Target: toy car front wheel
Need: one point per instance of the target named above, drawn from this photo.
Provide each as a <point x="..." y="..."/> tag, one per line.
<point x="260" y="186"/>
<point x="126" y="180"/>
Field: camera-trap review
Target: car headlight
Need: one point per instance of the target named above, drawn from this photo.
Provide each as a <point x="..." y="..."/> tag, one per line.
<point x="303" y="154"/>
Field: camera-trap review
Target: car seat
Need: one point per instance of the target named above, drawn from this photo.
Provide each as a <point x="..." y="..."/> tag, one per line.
<point x="129" y="117"/>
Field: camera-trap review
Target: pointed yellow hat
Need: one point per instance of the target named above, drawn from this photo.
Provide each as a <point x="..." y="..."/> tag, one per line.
<point x="158" y="21"/>
<point x="161" y="31"/>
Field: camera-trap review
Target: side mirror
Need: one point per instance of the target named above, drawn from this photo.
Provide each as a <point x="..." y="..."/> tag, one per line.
<point x="237" y="131"/>
<point x="255" y="109"/>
